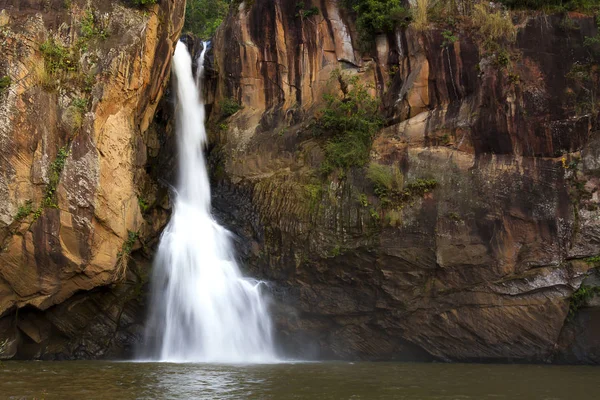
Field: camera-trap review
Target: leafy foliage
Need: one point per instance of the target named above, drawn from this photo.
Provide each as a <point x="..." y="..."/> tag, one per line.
<point x="90" y="28"/>
<point x="348" y="123"/>
<point x="449" y="38"/>
<point x="80" y="103"/>
<point x="143" y="203"/>
<point x="54" y="173"/>
<point x="144" y="2"/>
<point x="229" y="106"/>
<point x="5" y="82"/>
<point x="585" y="78"/>
<point x="24" y="210"/>
<point x="57" y="57"/>
<point x="124" y="253"/>
<point x="386" y="179"/>
<point x="580" y="297"/>
<point x="420" y="187"/>
<point x="568" y="5"/>
<point x="203" y="17"/>
<point x="306" y="12"/>
<point x="127" y="247"/>
<point x="377" y="16"/>
<point x="593" y="259"/>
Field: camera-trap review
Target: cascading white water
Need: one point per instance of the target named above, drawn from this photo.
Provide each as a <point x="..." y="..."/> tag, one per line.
<point x="202" y="309"/>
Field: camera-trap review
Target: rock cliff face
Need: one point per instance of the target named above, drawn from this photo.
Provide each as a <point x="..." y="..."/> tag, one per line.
<point x="488" y="254"/>
<point x="83" y="80"/>
<point x="483" y="267"/>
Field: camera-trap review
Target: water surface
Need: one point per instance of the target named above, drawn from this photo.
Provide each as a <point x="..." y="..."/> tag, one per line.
<point x="110" y="380"/>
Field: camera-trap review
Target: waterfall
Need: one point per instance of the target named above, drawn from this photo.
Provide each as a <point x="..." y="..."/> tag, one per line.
<point x="202" y="308"/>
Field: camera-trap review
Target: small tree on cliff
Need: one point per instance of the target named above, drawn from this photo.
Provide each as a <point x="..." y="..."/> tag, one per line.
<point x="348" y="122"/>
<point x="203" y="17"/>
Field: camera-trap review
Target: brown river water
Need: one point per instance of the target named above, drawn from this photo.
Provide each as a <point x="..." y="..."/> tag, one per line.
<point x="335" y="380"/>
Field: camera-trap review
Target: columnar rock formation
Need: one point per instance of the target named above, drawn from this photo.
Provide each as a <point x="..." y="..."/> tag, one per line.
<point x="480" y="268"/>
<point x="480" y="262"/>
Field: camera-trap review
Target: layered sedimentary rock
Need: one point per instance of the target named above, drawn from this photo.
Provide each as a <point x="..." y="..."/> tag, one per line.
<point x="85" y="79"/>
<point x="483" y="266"/>
<point x="482" y="263"/>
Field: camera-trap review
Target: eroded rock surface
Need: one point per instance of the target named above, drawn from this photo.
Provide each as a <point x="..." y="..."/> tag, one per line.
<point x="75" y="183"/>
<point x="483" y="266"/>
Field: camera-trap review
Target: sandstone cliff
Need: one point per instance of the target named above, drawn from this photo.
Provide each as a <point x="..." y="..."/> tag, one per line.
<point x="484" y="261"/>
<point x="82" y="83"/>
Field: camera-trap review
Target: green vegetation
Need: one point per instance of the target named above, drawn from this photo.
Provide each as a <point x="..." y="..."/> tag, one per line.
<point x="37" y="213"/>
<point x="203" y="17"/>
<point x="374" y="214"/>
<point x="24" y="210"/>
<point x="349" y="124"/>
<point x="336" y="251"/>
<point x="593" y="42"/>
<point x="80" y="103"/>
<point x="393" y="217"/>
<point x="54" y="173"/>
<point x="420" y="187"/>
<point x="388" y="187"/>
<point x="553" y="5"/>
<point x="89" y="27"/>
<point x="377" y="16"/>
<point x="502" y="58"/>
<point x="420" y="14"/>
<point x="127" y="247"/>
<point x="144" y="2"/>
<point x="87" y="82"/>
<point x="449" y="38"/>
<point x="314" y="191"/>
<point x="386" y="179"/>
<point x="229" y="106"/>
<point x="62" y="68"/>
<point x="5" y="82"/>
<point x="306" y="12"/>
<point x="124" y="253"/>
<point x="143" y="203"/>
<point x="75" y="112"/>
<point x="585" y="78"/>
<point x="57" y="57"/>
<point x="363" y="200"/>
<point x="580" y="297"/>
<point x="452" y="216"/>
<point x="382" y="16"/>
<point x="494" y="26"/>
<point x="593" y="259"/>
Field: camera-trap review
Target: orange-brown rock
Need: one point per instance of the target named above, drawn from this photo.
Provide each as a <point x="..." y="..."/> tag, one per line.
<point x="86" y="79"/>
<point x="482" y="267"/>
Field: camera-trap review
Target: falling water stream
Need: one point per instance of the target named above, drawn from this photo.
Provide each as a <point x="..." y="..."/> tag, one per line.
<point x="202" y="308"/>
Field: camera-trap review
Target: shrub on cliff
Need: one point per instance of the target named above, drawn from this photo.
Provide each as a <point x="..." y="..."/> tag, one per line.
<point x="386" y="179"/>
<point x="376" y="16"/>
<point x="580" y="298"/>
<point x="5" y="82"/>
<point x="58" y="58"/>
<point x="570" y="5"/>
<point x="348" y="123"/>
<point x="493" y="25"/>
<point x="229" y="106"/>
<point x="420" y="12"/>
<point x="203" y="17"/>
<point x="144" y="2"/>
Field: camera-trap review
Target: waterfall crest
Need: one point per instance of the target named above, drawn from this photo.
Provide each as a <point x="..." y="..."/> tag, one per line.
<point x="202" y="308"/>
